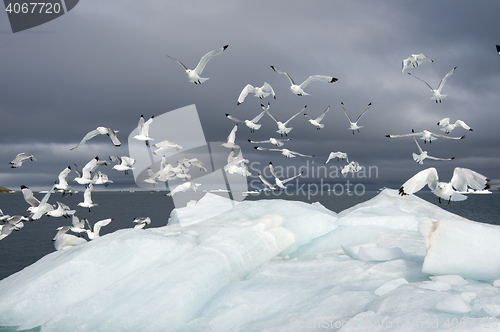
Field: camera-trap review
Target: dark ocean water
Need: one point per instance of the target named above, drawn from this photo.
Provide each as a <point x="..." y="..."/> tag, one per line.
<point x="24" y="247"/>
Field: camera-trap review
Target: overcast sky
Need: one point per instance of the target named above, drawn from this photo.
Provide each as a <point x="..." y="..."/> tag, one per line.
<point x="104" y="64"/>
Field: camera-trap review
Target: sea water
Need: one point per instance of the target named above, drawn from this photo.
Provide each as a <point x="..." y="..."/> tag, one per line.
<point x="26" y="246"/>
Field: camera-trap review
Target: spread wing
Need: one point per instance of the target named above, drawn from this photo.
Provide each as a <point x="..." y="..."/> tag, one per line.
<point x="430" y="87"/>
<point x="230" y="117"/>
<point x="279" y="71"/>
<point x="294" y="116"/>
<point x="359" y="117"/>
<point x="427" y="177"/>
<point x="348" y="117"/>
<point x="185" y="68"/>
<point x="204" y="60"/>
<point x="28" y="196"/>
<point x="90" y="135"/>
<point x="443" y="81"/>
<point x="258" y="117"/>
<point x="319" y="118"/>
<point x="244" y="93"/>
<point x="290" y="179"/>
<point x="267" y="88"/>
<point x="321" y="78"/>
<point x="112" y="136"/>
<point x="464" y="177"/>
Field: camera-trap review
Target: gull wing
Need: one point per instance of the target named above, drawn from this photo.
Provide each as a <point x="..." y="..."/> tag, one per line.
<point x="405" y="64"/>
<point x="266" y="149"/>
<point x="101" y="223"/>
<point x="232" y="134"/>
<point x="319" y="118"/>
<point x="294" y="116"/>
<point x="230" y="117"/>
<point x="321" y="78"/>
<point x="258" y="117"/>
<point x="112" y="136"/>
<point x="267" y="88"/>
<point x="307" y="117"/>
<point x="419" y="148"/>
<point x="448" y="137"/>
<point x="28" y="196"/>
<point x="45" y="198"/>
<point x="90" y="135"/>
<point x="185" y="68"/>
<point x="271" y="168"/>
<point x="20" y="157"/>
<point x="128" y="161"/>
<point x="421" y="58"/>
<point x="444" y="122"/>
<point x="266" y="182"/>
<point x="290" y="179"/>
<point x="257" y="142"/>
<point x="430" y="87"/>
<point x="427" y="177"/>
<point x="435" y="158"/>
<point x="116" y="159"/>
<point x="266" y="110"/>
<point x="405" y="135"/>
<point x="230" y="158"/>
<point x="464" y="177"/>
<point x="244" y="93"/>
<point x="203" y="61"/>
<point x="359" y="117"/>
<point x="63" y="175"/>
<point x="443" y="81"/>
<point x="302" y="155"/>
<point x="338" y="154"/>
<point x="279" y="71"/>
<point x="462" y="124"/>
<point x="145" y="127"/>
<point x="348" y="117"/>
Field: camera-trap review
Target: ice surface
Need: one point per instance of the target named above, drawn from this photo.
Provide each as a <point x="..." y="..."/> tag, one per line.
<point x="270" y="265"/>
<point x="371" y="252"/>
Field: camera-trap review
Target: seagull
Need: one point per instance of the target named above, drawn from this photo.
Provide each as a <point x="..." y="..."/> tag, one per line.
<point x="87" y="198"/>
<point x="151" y="179"/>
<point x="236" y="165"/>
<point x="230" y="139"/>
<point x="461" y="179"/>
<point x="12" y="223"/>
<point x="37" y="208"/>
<point x="275" y="141"/>
<point x="436" y="94"/>
<point x="166" y="145"/>
<point x="298" y="89"/>
<point x="62" y="211"/>
<point x="103" y="131"/>
<point x="261" y="92"/>
<point x="20" y="158"/>
<point x="281" y="183"/>
<point x="339" y="155"/>
<point x="63" y="183"/>
<point x="414" y="60"/>
<point x="184" y="187"/>
<point x="124" y="163"/>
<point x="63" y="240"/>
<point x="84" y="177"/>
<point x="498" y="49"/>
<point x="141" y="222"/>
<point x="194" y="75"/>
<point x="77" y="225"/>
<point x="94" y="233"/>
<point x="143" y="128"/>
<point x="353" y="167"/>
<point x="266" y="182"/>
<point x="448" y="127"/>
<point x="282" y="129"/>
<point x="426" y="135"/>
<point x="252" y="124"/>
<point x="419" y="158"/>
<point x="101" y="178"/>
<point x="287" y="153"/>
<point x="354" y="125"/>
<point x="316" y="122"/>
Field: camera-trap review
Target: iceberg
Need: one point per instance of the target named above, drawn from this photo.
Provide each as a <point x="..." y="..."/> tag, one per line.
<point x="273" y="265"/>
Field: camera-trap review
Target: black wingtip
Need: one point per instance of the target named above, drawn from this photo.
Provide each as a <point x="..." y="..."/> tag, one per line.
<point x="462" y="137"/>
<point x="225" y="46"/>
<point x="333" y="80"/>
<point x="255" y="147"/>
<point x="471" y="129"/>
<point x="388" y="136"/>
<point x="23" y="187"/>
<point x="249" y="140"/>
<point x="237" y="103"/>
<point x="370" y="104"/>
<point x="452" y="158"/>
<point x="227" y="114"/>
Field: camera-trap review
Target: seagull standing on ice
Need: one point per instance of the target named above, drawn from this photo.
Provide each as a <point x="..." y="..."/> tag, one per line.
<point x="275" y="141"/>
<point x="287" y="153"/>
<point x="282" y="129"/>
<point x="281" y="183"/>
<point x="339" y="155"/>
<point x="426" y="135"/>
<point x="316" y="122"/>
<point x="141" y="222"/>
<point x="252" y="124"/>
<point x="194" y="75"/>
<point x="298" y="89"/>
<point x="100" y="131"/>
<point x="20" y="158"/>
<point x="87" y="198"/>
<point x="124" y="163"/>
<point x="261" y="92"/>
<point x="436" y="94"/>
<point x="63" y="240"/>
<point x="354" y="125"/>
<point x="448" y="127"/>
<point x="414" y="60"/>
<point x="419" y="158"/>
<point x="462" y="179"/>
<point x="143" y="127"/>
<point x="230" y="139"/>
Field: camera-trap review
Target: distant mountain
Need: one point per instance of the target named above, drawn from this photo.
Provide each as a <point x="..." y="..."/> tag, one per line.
<point x="5" y="190"/>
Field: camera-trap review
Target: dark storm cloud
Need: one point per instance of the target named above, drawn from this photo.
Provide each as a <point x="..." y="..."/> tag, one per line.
<point x="105" y="64"/>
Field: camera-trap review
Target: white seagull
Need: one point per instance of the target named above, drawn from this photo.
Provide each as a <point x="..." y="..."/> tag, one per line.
<point x="101" y="178"/>
<point x="63" y="185"/>
<point x="414" y="60"/>
<point x="84" y="177"/>
<point x="93" y="232"/>
<point x="230" y="139"/>
<point x="124" y="163"/>
<point x="275" y="141"/>
<point x="426" y="135"/>
<point x="151" y="179"/>
<point x="287" y="153"/>
<point x="354" y="125"/>
<point x="77" y="225"/>
<point x="63" y="240"/>
<point x="282" y="129"/>
<point x="37" y="208"/>
<point x="252" y="124"/>
<point x="102" y="131"/>
<point x="462" y="179"/>
<point x="62" y="211"/>
<point x="237" y="164"/>
<point x="298" y="89"/>
<point x="184" y="187"/>
<point x="12" y="223"/>
<point x="316" y="122"/>
<point x="166" y="145"/>
<point x="448" y="127"/>
<point x="272" y="187"/>
<point x="143" y="127"/>
<point x="419" y="158"/>
<point x="141" y="222"/>
<point x="87" y="198"/>
<point x="352" y="167"/>
<point x="339" y="155"/>
<point x="281" y="183"/>
<point x="194" y="75"/>
<point x="20" y="158"/>
<point x="261" y="92"/>
<point x="436" y="94"/>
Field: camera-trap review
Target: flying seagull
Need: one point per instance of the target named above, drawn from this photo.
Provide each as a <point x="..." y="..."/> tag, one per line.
<point x="20" y="158"/>
<point x="143" y="127"/>
<point x="414" y="60"/>
<point x="166" y="145"/>
<point x="316" y="122"/>
<point x="63" y="185"/>
<point x="275" y="141"/>
<point x="37" y="208"/>
<point x="102" y="131"/>
<point x="426" y="135"/>
<point x="252" y="124"/>
<point x="353" y="167"/>
<point x="261" y="92"/>
<point x="298" y="89"/>
<point x="419" y="158"/>
<point x="462" y="179"/>
<point x="281" y="183"/>
<point x="194" y="75"/>
<point x="93" y="232"/>
<point x="287" y="153"/>
<point x="282" y="129"/>
<point x="436" y="94"/>
<point x="354" y="125"/>
<point x="87" y="198"/>
<point x="124" y="163"/>
<point x="448" y="127"/>
<point x="230" y="139"/>
<point x="184" y="187"/>
<point x="272" y="187"/>
<point x="141" y="222"/>
<point x="339" y="155"/>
